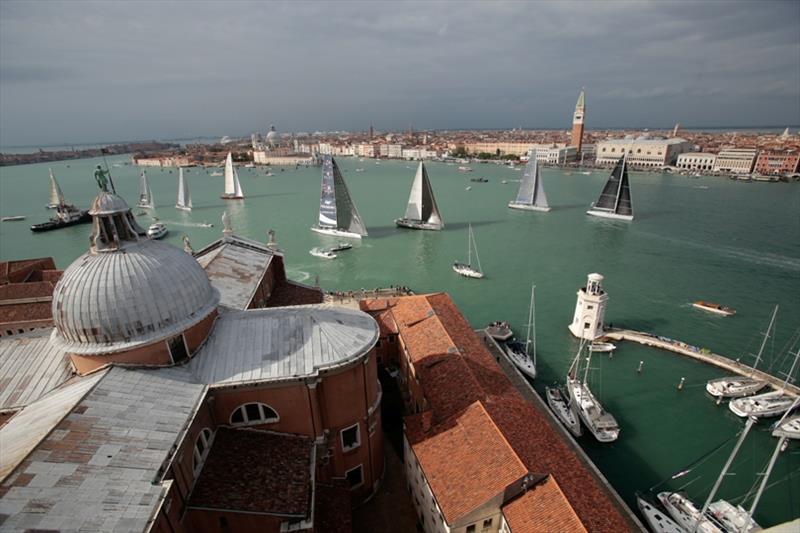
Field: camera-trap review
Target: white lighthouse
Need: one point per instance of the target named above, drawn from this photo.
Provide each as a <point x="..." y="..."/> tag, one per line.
<point x="590" y="309"/>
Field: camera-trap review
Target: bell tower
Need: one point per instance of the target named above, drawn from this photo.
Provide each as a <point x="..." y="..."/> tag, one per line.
<point x="590" y="309"/>
<point x="577" y="121"/>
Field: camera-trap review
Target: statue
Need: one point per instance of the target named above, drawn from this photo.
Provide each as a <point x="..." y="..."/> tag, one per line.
<point x="101" y="176"/>
<point x="226" y="223"/>
<point x="187" y="246"/>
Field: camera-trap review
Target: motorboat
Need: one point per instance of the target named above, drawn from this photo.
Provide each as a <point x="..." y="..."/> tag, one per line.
<point x="464" y="169"/>
<point x="66" y="215"/>
<point x="12" y="218"/>
<point x="321" y="252"/>
<point x="561" y="406"/>
<point x="157" y="230"/>
<point x="657" y="520"/>
<point x="341" y="246"/>
<point x="500" y="331"/>
<point x="714" y="308"/>
<point x="602" y="347"/>
<point x="480" y="180"/>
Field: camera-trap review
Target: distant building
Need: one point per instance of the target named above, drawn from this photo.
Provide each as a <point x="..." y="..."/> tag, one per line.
<point x="261" y="157"/>
<point x="696" y="161"/>
<point x="26" y="295"/>
<point x="578" y="122"/>
<point x="774" y="163"/>
<point x="364" y="150"/>
<point x="642" y="151"/>
<point x="418" y="153"/>
<point x="162" y="161"/>
<point x="392" y="151"/>
<point x="555" y="155"/>
<point x="736" y="160"/>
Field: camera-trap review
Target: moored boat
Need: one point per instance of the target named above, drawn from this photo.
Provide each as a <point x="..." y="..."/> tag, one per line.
<point x="600" y="422"/>
<point x="764" y="405"/>
<point x="602" y="347"/>
<point x="157" y="230"/>
<point x="714" y="308"/>
<point x="500" y="330"/>
<point x="519" y="352"/>
<point x="561" y="406"/>
<point x="686" y="514"/>
<point x="657" y="520"/>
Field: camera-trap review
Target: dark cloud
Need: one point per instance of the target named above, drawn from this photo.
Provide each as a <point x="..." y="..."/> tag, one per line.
<point x="72" y="71"/>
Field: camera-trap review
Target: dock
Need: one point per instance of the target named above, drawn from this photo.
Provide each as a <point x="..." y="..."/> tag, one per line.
<point x="699" y="354"/>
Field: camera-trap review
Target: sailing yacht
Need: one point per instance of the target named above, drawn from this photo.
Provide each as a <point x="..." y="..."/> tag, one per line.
<point x="56" y="196"/>
<point x="601" y="423"/>
<point x="615" y="199"/>
<point x="421" y="211"/>
<point x="145" y="194"/>
<point x="184" y="197"/>
<point x="738" y="386"/>
<point x="658" y="521"/>
<point x="337" y="213"/>
<point x="233" y="189"/>
<point x="465" y="269"/>
<point x="530" y="196"/>
<point x="518" y="352"/>
<point x="768" y="404"/>
<point x="562" y="407"/>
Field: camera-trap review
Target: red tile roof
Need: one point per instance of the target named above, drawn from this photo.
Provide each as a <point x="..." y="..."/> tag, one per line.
<point x="256" y="471"/>
<point x="290" y="293"/>
<point x="19" y="271"/>
<point x="25" y="310"/>
<point x="466" y="460"/>
<point x="542" y="509"/>
<point x="333" y="509"/>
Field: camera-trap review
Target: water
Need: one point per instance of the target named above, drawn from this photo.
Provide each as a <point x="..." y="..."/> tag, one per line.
<point x="729" y="242"/>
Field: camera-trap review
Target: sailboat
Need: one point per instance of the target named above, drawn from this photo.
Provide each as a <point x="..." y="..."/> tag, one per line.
<point x="615" y="200"/>
<point x="337" y="213"/>
<point x="530" y="196"/>
<point x="145" y="194"/>
<point x="56" y="196"/>
<point x="519" y="352"/>
<point x="768" y="404"/>
<point x="738" y="386"/>
<point x="421" y="211"/>
<point x="466" y="270"/>
<point x="601" y="423"/>
<point x="233" y="189"/>
<point x="184" y="197"/>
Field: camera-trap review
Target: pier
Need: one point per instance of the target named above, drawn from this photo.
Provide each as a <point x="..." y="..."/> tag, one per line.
<point x="700" y="354"/>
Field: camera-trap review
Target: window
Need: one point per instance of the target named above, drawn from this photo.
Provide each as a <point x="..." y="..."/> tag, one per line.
<point x="586" y="325"/>
<point x="391" y="339"/>
<point x="589" y="307"/>
<point x="201" y="447"/>
<point x="253" y="413"/>
<point x="351" y="438"/>
<point x="487" y="523"/>
<point x="355" y="477"/>
<point x="177" y="348"/>
<point x="471" y="528"/>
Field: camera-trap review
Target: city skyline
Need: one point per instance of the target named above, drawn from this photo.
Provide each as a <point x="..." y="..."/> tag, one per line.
<point x="145" y="71"/>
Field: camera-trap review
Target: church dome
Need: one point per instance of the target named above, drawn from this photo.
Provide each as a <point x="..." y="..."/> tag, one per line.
<point x="272" y="136"/>
<point x="136" y="292"/>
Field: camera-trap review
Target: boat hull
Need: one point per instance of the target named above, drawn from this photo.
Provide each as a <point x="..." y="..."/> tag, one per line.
<point x="590" y="411"/>
<point x="526" y="207"/>
<point x="467" y="272"/>
<point x="560" y="406"/>
<point x="732" y="387"/>
<point x="335" y="232"/>
<point x="521" y="360"/>
<point x="721" y="310"/>
<point x="417" y="224"/>
<point x="85" y="218"/>
<point x="657" y="520"/>
<point x="606" y="214"/>
<point x="231" y="197"/>
<point x="182" y="208"/>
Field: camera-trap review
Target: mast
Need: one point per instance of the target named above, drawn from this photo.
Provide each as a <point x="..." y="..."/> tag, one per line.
<point x="766" y="336"/>
<point x="621" y="177"/>
<point x="763" y="484"/>
<point x="475" y="244"/>
<point x="469" y="246"/>
<point x="531" y="319"/>
<point x="588" y="364"/>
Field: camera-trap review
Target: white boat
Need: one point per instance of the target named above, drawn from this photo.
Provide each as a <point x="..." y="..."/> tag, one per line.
<point x="233" y="189"/>
<point x="12" y="218"/>
<point x="464" y="169"/>
<point x="468" y="188"/>
<point x="768" y="404"/>
<point x="465" y="269"/>
<point x="686" y="514"/>
<point x="206" y="225"/>
<point x="714" y="308"/>
<point x="602" y="347"/>
<point x="738" y="386"/>
<point x="531" y="196"/>
<point x="157" y="230"/>
<point x="56" y="196"/>
<point x="600" y="423"/>
<point x="359" y="170"/>
<point x="324" y="254"/>
<point x="499" y="331"/>
<point x="615" y="199"/>
<point x="789" y="425"/>
<point x="216" y="174"/>
<point x="338" y="215"/>
<point x="249" y="165"/>
<point x="657" y="520"/>
<point x="562" y="407"/>
<point x="146" y="200"/>
<point x="184" y="197"/>
<point x="519" y="352"/>
<point x="731" y="517"/>
<point x="269" y="174"/>
<point x="422" y="212"/>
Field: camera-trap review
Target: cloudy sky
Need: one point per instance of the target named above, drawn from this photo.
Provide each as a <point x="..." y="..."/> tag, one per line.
<point x="73" y="72"/>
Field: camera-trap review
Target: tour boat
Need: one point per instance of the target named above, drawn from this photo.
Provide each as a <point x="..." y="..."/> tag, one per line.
<point x="714" y="308"/>
<point x="562" y="407"/>
<point x="324" y="254"/>
<point x="56" y="196"/>
<point x="341" y="246"/>
<point x="12" y="218"/>
<point x="600" y="423"/>
<point x="146" y="200"/>
<point x="233" y="189"/>
<point x="615" y="199"/>
<point x="531" y="196"/>
<point x="157" y="230"/>
<point x="657" y="520"/>
<point x="465" y="269"/>
<point x="602" y="347"/>
<point x="338" y="215"/>
<point x="184" y="202"/>
<point x="500" y="331"/>
<point x="66" y="215"/>
<point x="422" y="212"/>
<point x="519" y="352"/>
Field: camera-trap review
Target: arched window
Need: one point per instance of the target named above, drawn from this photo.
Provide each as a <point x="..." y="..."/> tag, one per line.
<point x="253" y="413"/>
<point x="201" y="447"/>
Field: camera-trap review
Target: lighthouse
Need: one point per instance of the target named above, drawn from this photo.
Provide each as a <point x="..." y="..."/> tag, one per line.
<point x="590" y="309"/>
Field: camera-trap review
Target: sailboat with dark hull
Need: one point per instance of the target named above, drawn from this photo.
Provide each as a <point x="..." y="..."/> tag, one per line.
<point x="615" y="200"/>
<point x="421" y="211"/>
<point x="338" y="215"/>
<point x="66" y="214"/>
<point x="531" y="196"/>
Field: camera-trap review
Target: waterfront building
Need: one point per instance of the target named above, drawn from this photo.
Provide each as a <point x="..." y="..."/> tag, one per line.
<point x="418" y="153"/>
<point x="696" y="161"/>
<point x="552" y="153"/>
<point x="479" y="456"/>
<point x="364" y="150"/>
<point x="643" y="152"/>
<point x="26" y="290"/>
<point x="578" y="122"/>
<point x="590" y="309"/>
<point x="555" y="155"/>
<point x="736" y="160"/>
<point x="166" y="400"/>
<point x="775" y="163"/>
<point x="176" y="160"/>
<point x="261" y="157"/>
<point x="392" y="151"/>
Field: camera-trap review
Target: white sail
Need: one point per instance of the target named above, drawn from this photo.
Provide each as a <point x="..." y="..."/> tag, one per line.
<point x="184" y="197"/>
<point x="531" y="194"/>
<point x="422" y="212"/>
<point x="56" y="196"/>
<point x="145" y="194"/>
<point x="238" y="189"/>
<point x="233" y="188"/>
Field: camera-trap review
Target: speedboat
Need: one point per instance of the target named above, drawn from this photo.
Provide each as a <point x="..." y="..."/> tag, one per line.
<point x="480" y="180"/>
<point x="601" y="347"/>
<point x="324" y="254"/>
<point x="157" y="230"/>
<point x="12" y="218"/>
<point x="559" y="403"/>
<point x="340" y="246"/>
<point x="714" y="308"/>
<point x="464" y="169"/>
<point x="657" y="520"/>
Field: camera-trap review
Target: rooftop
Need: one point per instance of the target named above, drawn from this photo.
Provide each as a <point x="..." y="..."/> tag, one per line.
<point x="542" y="508"/>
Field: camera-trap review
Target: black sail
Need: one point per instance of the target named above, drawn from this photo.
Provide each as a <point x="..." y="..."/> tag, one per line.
<point x="624" y="206"/>
<point x="608" y="198"/>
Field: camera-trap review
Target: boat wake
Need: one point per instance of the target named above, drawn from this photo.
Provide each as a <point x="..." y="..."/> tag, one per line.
<point x="298" y="275"/>
<point x="186" y="224"/>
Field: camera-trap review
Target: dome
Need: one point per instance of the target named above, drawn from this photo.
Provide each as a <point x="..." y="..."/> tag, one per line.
<point x="117" y="301"/>
<point x="107" y="203"/>
<point x="272" y="136"/>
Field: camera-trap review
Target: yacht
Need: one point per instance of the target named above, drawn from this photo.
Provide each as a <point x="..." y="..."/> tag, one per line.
<point x="714" y="308"/>
<point x="657" y="520"/>
<point x="157" y="230"/>
<point x="686" y="514"/>
<point x="338" y="215"/>
<point x="518" y="352"/>
<point x="602" y="347"/>
<point x="466" y="269"/>
<point x="600" y="423"/>
<point x="422" y="211"/>
<point x="768" y="404"/>
<point x="562" y="407"/>
<point x="615" y="199"/>
<point x="531" y="196"/>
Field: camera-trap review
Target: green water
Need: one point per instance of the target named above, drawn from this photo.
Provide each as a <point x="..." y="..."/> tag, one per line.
<point x="729" y="242"/>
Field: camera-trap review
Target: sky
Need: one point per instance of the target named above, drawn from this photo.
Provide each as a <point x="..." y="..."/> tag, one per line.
<point x="81" y="72"/>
